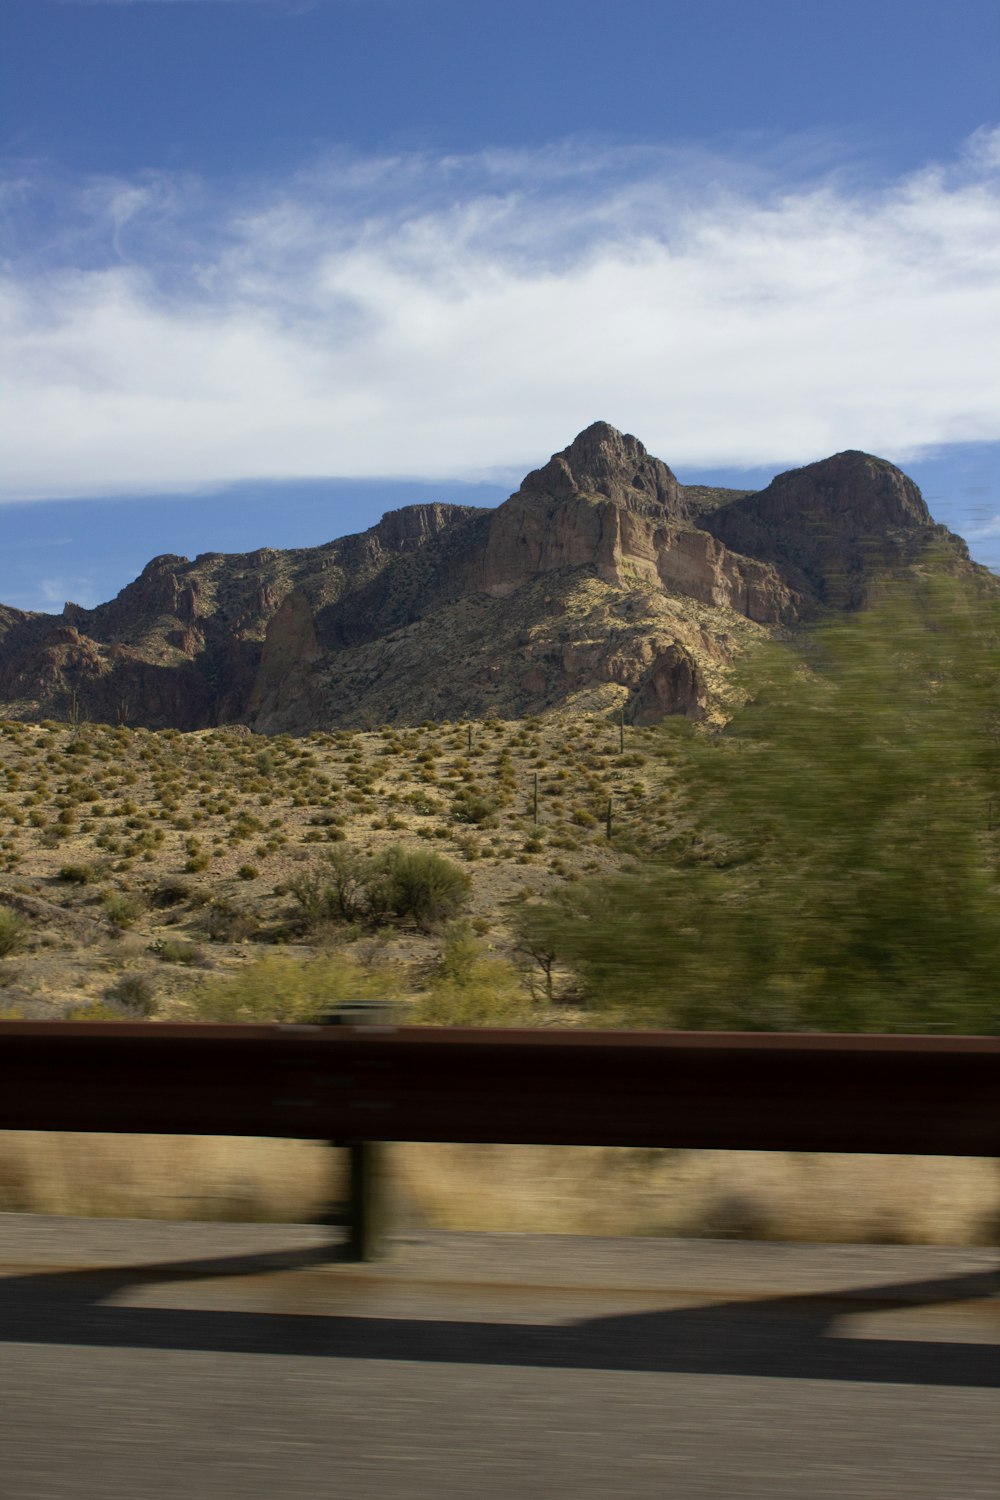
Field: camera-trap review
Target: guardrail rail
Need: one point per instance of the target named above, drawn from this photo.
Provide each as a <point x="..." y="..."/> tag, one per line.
<point x="359" y="1085"/>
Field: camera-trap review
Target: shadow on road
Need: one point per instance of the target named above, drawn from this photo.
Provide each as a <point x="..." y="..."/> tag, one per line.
<point x="783" y="1336"/>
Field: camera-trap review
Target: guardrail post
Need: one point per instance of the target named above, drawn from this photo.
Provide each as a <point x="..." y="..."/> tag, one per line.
<point x="368" y="1185"/>
<point x="367" y="1201"/>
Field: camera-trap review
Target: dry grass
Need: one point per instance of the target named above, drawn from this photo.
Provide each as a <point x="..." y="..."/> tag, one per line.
<point x="167" y="1177"/>
<point x="564" y="1190"/>
<point x="729" y="1194"/>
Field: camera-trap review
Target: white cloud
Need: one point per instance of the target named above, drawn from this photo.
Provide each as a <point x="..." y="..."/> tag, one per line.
<point x="461" y="316"/>
<point x="55" y="591"/>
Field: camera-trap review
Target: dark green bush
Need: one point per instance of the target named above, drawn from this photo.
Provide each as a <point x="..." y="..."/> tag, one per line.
<point x="469" y="807"/>
<point x="332" y="890"/>
<point x="418" y="884"/>
<point x="171" y="892"/>
<point x="835" y="868"/>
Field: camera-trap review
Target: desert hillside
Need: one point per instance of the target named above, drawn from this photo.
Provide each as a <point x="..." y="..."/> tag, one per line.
<point x="139" y="863"/>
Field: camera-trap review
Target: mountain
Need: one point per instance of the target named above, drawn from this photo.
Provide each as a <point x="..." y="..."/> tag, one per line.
<point x="602" y="573"/>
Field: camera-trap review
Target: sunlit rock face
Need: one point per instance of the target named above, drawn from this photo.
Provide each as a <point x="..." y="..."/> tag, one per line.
<point x="605" y="503"/>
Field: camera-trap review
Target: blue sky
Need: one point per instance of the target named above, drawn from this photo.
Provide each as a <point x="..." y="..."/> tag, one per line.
<point x="270" y="267"/>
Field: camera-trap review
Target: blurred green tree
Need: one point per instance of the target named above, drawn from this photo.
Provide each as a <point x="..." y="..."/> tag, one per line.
<point x="834" y="860"/>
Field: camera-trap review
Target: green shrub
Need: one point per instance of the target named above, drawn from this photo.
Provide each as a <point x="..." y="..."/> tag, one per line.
<point x="469" y="807"/>
<point x="76" y="874"/>
<point x="835" y="867"/>
<point x="459" y="954"/>
<point x="278" y="988"/>
<point x="93" y="1010"/>
<point x="472" y="989"/>
<point x="345" y="886"/>
<point x="13" y="931"/>
<point x="174" y="951"/>
<point x="121" y="909"/>
<point x="425" y="805"/>
<point x="418" y="884"/>
<point x="134" y="994"/>
<point x="332" y="890"/>
<point x="224" y="923"/>
<point x="174" y="892"/>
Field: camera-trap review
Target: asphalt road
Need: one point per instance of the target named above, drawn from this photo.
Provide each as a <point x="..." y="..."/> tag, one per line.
<point x="156" y="1360"/>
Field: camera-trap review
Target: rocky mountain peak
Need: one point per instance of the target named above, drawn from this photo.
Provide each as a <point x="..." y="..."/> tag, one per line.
<point x="869" y="490"/>
<point x="828" y="525"/>
<point x="603" y="461"/>
<point x="166" y="562"/>
<point x="606" y="504"/>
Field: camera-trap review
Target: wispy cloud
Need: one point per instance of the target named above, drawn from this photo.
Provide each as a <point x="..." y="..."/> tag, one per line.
<point x="986" y="531"/>
<point x="48" y="595"/>
<point x="459" y="316"/>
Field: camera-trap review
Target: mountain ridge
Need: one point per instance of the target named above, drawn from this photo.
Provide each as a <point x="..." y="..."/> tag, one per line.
<point x="601" y="575"/>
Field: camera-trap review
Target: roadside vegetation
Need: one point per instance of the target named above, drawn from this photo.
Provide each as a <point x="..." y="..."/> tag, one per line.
<point x="834" y="861"/>
<point x="826" y="861"/>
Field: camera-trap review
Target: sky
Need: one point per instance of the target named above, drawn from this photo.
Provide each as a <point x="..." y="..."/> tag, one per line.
<point x="271" y="267"/>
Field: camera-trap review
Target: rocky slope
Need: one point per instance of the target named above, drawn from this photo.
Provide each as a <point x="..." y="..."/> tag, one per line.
<point x="602" y="576"/>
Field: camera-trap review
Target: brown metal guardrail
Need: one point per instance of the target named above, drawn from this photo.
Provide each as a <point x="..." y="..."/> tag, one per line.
<point x="373" y="1083"/>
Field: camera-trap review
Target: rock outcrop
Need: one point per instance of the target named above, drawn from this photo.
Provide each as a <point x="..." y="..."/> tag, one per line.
<point x="602" y="574"/>
<point x="284" y="694"/>
<point x="673" y="685"/>
<point x="160" y="589"/>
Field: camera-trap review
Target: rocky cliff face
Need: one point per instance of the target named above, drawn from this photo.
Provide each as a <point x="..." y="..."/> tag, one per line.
<point x="601" y="575"/>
